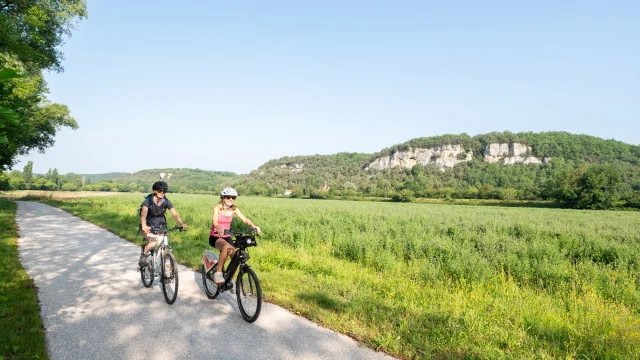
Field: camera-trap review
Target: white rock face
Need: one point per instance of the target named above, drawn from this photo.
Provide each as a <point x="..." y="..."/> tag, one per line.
<point x="443" y="157"/>
<point x="510" y="154"/>
<point x="447" y="156"/>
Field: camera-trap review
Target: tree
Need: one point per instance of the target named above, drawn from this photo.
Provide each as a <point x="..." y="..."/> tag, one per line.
<point x="43" y="184"/>
<point x="405" y="195"/>
<point x="9" y="119"/>
<point x="4" y="182"/>
<point x="69" y="187"/>
<point x="55" y="177"/>
<point x="508" y="194"/>
<point x="599" y="188"/>
<point x="30" y="32"/>
<point x="593" y="187"/>
<point x="27" y="172"/>
<point x="17" y="183"/>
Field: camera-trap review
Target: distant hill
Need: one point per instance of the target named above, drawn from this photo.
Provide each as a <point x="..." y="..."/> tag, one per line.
<point x="526" y="166"/>
<point x="179" y="180"/>
<point x="103" y="177"/>
<point x="546" y="144"/>
<point x="579" y="170"/>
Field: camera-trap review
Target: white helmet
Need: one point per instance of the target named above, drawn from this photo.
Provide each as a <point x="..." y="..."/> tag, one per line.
<point x="229" y="192"/>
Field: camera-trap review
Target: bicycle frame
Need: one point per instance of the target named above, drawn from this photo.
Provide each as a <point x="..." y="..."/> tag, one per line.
<point x="159" y="251"/>
<point x="239" y="259"/>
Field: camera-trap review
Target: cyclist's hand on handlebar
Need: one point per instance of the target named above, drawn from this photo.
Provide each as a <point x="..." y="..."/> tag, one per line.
<point x="184" y="226"/>
<point x="257" y="229"/>
<point x="146" y="229"/>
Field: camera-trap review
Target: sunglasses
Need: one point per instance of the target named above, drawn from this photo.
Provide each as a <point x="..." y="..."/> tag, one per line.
<point x="162" y="190"/>
<point x="228" y="197"/>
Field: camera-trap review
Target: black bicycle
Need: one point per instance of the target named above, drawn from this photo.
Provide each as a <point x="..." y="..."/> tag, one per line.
<point x="168" y="273"/>
<point x="248" y="291"/>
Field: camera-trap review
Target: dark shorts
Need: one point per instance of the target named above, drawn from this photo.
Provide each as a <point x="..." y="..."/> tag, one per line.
<point x="218" y="242"/>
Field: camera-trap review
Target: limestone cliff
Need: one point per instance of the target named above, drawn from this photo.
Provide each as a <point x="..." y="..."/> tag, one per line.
<point x="510" y="154"/>
<point x="443" y="157"/>
<point x="447" y="156"/>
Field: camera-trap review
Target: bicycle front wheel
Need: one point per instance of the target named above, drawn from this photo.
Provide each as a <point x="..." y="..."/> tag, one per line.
<point x="249" y="294"/>
<point x="169" y="278"/>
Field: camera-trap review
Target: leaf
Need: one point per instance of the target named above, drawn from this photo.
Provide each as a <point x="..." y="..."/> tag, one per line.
<point x="6" y="74"/>
<point x="3" y="139"/>
<point x="9" y="116"/>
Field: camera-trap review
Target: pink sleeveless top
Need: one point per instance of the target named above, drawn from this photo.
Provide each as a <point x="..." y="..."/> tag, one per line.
<point x="225" y="223"/>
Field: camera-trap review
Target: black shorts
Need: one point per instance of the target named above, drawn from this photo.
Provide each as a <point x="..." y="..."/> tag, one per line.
<point x="213" y="238"/>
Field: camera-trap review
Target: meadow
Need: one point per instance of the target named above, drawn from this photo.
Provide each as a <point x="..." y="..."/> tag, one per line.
<point x="432" y="281"/>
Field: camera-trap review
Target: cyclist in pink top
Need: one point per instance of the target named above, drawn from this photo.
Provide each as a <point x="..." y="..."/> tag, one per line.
<point x="222" y="215"/>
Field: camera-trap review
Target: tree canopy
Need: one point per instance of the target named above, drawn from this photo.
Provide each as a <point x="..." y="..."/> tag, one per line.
<point x="31" y="32"/>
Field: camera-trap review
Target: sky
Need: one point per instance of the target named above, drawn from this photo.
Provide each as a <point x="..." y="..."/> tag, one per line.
<point x="227" y="86"/>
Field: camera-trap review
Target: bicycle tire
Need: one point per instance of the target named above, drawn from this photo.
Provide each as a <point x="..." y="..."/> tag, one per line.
<point x="170" y="294"/>
<point x="146" y="273"/>
<point x="247" y="288"/>
<point x="210" y="288"/>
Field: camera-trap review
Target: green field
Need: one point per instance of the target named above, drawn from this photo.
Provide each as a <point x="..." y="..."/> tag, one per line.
<point x="433" y="281"/>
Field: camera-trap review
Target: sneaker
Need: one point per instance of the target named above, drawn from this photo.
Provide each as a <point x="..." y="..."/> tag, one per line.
<point x="143" y="260"/>
<point x="218" y="278"/>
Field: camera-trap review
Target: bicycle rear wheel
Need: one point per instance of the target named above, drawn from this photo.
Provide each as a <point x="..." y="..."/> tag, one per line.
<point x="169" y="279"/>
<point x="146" y="273"/>
<point x="249" y="294"/>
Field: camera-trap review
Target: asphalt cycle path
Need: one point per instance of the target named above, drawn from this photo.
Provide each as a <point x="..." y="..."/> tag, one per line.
<point x="94" y="305"/>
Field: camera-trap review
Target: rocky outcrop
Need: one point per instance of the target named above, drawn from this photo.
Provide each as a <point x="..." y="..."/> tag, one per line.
<point x="448" y="156"/>
<point x="443" y="157"/>
<point x="510" y="154"/>
<point x="292" y="166"/>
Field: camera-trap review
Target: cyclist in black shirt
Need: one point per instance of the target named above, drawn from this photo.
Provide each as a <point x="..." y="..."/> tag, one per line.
<point x="152" y="219"/>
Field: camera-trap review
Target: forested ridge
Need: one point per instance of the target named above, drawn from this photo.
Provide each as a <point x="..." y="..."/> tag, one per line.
<point x="582" y="172"/>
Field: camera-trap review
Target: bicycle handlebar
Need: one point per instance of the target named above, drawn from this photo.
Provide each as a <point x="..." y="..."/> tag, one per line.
<point x="166" y="230"/>
<point x="251" y="231"/>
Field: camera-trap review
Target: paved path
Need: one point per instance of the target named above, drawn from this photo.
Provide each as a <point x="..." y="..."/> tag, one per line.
<point x="94" y="305"/>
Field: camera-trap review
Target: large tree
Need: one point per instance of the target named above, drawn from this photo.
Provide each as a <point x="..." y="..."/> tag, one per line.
<point x="31" y="32"/>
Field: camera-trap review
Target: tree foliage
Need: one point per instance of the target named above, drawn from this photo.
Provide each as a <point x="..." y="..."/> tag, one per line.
<point x="30" y="33"/>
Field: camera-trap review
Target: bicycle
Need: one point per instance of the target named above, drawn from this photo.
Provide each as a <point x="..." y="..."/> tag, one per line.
<point x="248" y="290"/>
<point x="168" y="273"/>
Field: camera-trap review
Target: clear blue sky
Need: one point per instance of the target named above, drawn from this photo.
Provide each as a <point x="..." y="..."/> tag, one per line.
<point x="222" y="85"/>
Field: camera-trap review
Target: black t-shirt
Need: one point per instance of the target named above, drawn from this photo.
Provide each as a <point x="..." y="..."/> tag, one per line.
<point x="155" y="216"/>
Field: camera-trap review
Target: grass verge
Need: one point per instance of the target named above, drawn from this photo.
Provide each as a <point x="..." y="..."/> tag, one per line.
<point x="22" y="334"/>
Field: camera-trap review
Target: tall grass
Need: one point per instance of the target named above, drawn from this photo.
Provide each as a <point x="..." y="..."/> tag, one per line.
<point x="433" y="281"/>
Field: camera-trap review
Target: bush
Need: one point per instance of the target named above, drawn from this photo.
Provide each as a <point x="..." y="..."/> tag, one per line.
<point x="404" y="196"/>
<point x="633" y="200"/>
<point x="508" y="194"/>
<point x="69" y="187"/>
<point x="17" y="183"/>
<point x="43" y="184"/>
<point x="4" y="182"/>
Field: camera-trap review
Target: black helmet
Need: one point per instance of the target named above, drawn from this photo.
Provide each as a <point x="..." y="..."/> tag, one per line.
<point x="160" y="185"/>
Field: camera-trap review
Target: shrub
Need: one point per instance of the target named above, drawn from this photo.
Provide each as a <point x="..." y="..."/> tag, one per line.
<point x="69" y="187"/>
